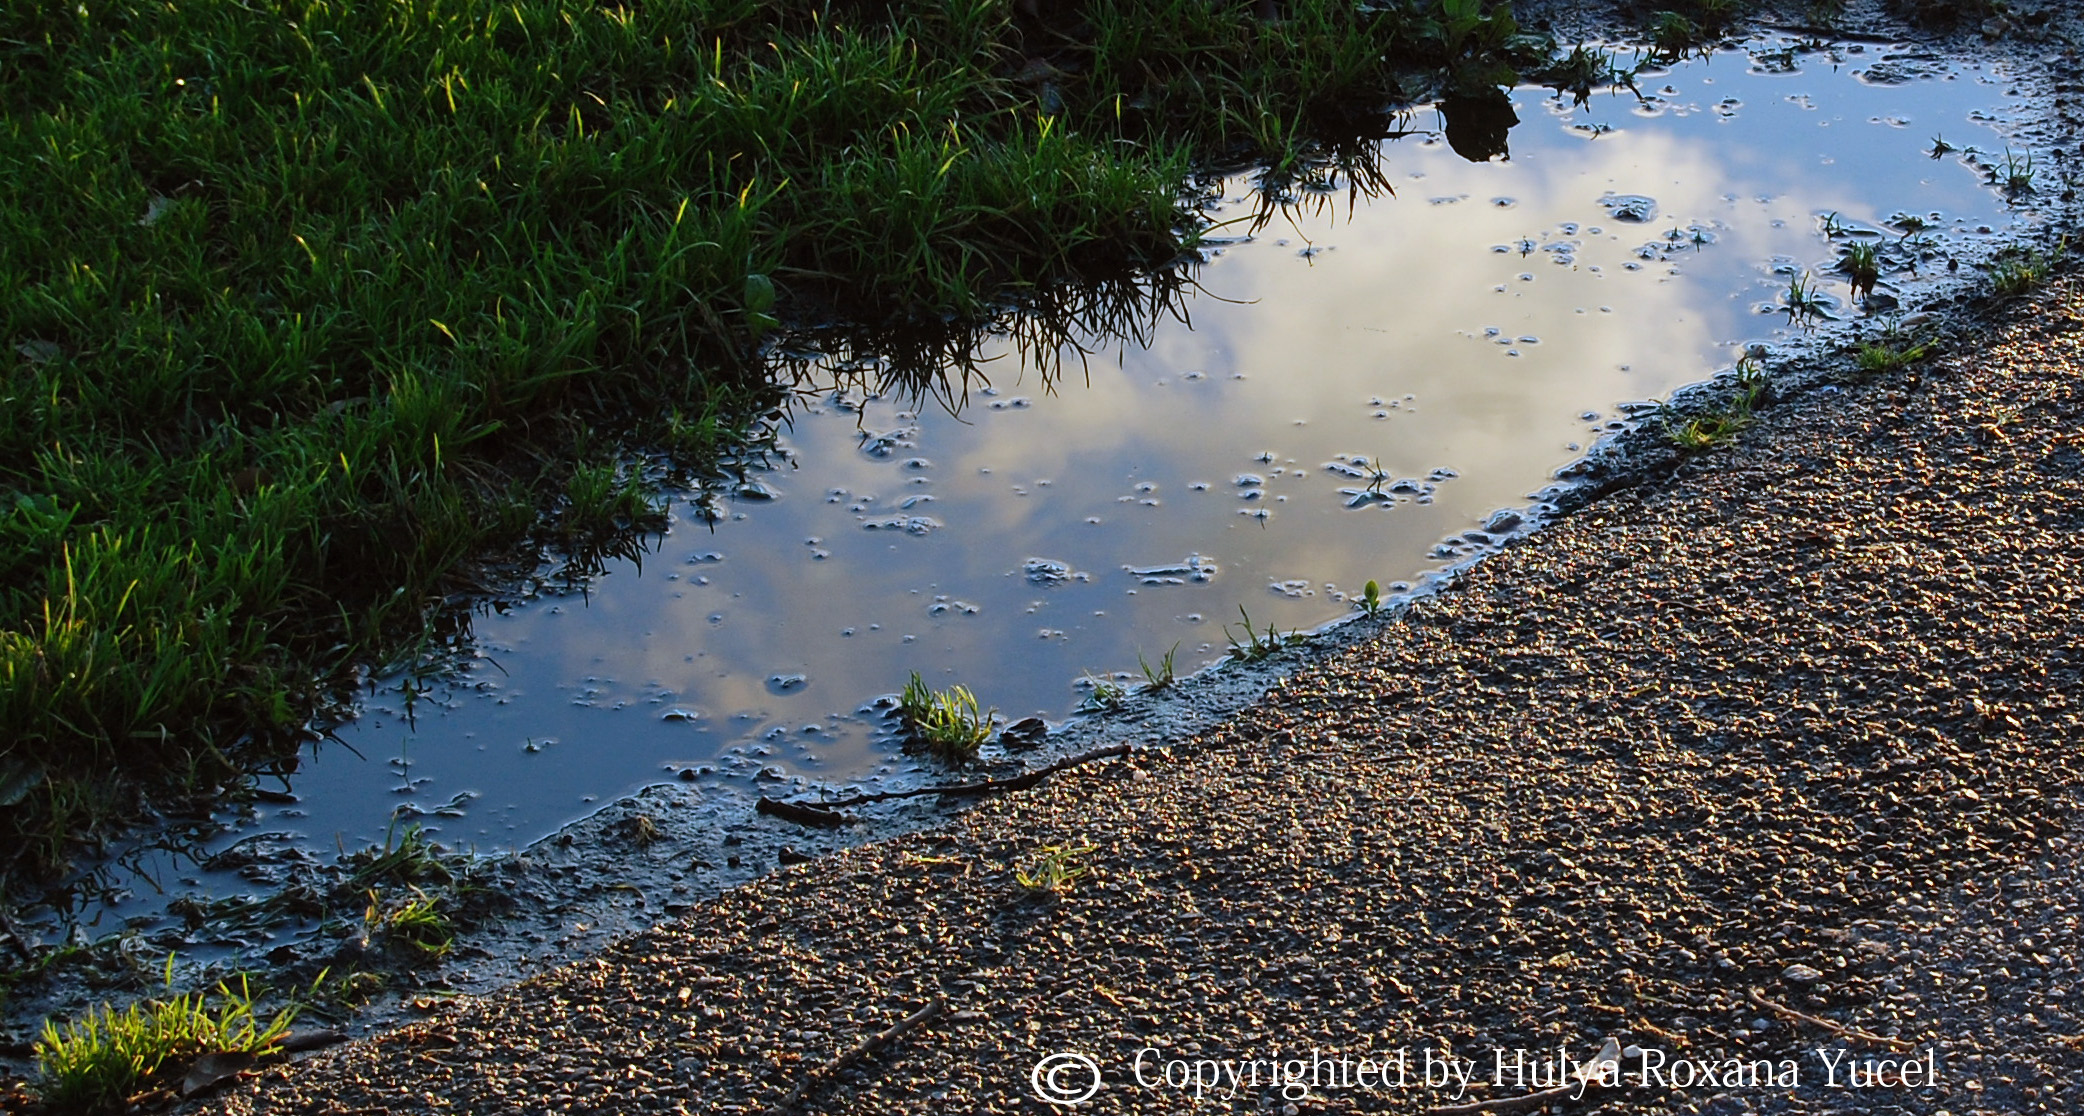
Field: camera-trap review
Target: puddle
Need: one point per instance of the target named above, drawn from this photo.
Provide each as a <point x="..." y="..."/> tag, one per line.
<point x="1362" y="389"/>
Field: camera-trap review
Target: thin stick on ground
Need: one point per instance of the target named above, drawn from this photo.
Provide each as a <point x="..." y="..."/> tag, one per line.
<point x="1833" y="1026"/>
<point x="805" y="812"/>
<point x="829" y="1070"/>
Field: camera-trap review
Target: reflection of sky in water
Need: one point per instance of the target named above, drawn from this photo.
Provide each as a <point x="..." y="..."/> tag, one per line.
<point x="1469" y="324"/>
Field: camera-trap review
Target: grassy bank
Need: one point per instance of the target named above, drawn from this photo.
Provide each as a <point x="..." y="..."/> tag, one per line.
<point x="310" y="305"/>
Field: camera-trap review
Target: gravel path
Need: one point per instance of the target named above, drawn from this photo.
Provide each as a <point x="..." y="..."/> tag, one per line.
<point x="1798" y="725"/>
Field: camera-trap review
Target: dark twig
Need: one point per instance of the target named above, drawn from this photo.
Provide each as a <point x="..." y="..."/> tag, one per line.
<point x="802" y="813"/>
<point x="829" y="1070"/>
<point x="1836" y="1028"/>
<point x="952" y="790"/>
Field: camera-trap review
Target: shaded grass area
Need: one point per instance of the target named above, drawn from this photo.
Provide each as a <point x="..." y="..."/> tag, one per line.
<point x="310" y="305"/>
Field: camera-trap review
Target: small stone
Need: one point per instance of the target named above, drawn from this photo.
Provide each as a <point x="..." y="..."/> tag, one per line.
<point x="1801" y="974"/>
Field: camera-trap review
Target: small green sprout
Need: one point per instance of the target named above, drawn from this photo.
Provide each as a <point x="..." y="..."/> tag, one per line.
<point x="1371" y="597"/>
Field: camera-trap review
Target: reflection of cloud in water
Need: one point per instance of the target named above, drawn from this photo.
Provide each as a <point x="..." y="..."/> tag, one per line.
<point x="1396" y="302"/>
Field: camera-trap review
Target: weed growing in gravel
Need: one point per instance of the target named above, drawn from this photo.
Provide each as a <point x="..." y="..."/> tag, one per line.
<point x="1875" y="356"/>
<point x="1258" y="644"/>
<point x="1583" y="70"/>
<point x="948" y="722"/>
<point x="1673" y="37"/>
<point x="98" y="1063"/>
<point x="2020" y="270"/>
<point x="1890" y="351"/>
<point x="1056" y="871"/>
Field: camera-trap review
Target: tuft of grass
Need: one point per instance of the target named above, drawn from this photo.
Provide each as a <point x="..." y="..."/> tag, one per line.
<point x="1674" y="37"/>
<point x="1889" y="355"/>
<point x="947" y="722"/>
<point x="407" y="857"/>
<point x="416" y="921"/>
<point x="1056" y="870"/>
<point x="2019" y="271"/>
<point x="1258" y="644"/>
<point x="1103" y="695"/>
<point x="98" y="1063"/>
<point x="1862" y="265"/>
<point x="2017" y="174"/>
<point x="1805" y="300"/>
<point x="1718" y="425"/>
<point x="1582" y="71"/>
<point x="1162" y="676"/>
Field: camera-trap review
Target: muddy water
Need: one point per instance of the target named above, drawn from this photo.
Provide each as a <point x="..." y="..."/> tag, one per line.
<point x="1358" y="389"/>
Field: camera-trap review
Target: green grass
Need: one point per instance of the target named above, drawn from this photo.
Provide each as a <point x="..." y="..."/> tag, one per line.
<point x="1103" y="695"/>
<point x="1888" y="356"/>
<point x="97" y="1063"/>
<point x="1861" y="264"/>
<point x="948" y="723"/>
<point x="1056" y="870"/>
<point x="2019" y="271"/>
<point x="308" y="310"/>
<point x="1805" y="299"/>
<point x="1258" y="643"/>
<point x="416" y="921"/>
<point x="1164" y="675"/>
<point x="2017" y="175"/>
<point x="1717" y="425"/>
